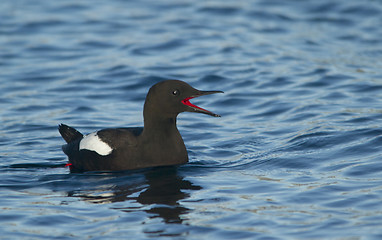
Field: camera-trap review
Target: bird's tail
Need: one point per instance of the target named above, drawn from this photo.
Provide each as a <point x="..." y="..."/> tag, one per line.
<point x="69" y="134"/>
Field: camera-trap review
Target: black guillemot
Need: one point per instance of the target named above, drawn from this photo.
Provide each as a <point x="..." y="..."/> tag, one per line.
<point x="158" y="143"/>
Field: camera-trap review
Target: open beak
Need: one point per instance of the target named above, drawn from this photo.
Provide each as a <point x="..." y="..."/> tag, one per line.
<point x="195" y="108"/>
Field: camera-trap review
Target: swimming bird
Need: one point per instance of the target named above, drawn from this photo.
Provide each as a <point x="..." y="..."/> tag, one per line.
<point x="157" y="143"/>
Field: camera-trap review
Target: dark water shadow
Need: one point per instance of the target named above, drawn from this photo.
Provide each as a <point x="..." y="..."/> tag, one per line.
<point x="159" y="190"/>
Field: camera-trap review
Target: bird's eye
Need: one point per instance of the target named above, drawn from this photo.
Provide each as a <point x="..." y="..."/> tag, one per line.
<point x="175" y="92"/>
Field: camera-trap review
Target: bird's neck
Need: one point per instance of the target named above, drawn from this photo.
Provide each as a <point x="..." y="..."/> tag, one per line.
<point x="161" y="136"/>
<point x="161" y="126"/>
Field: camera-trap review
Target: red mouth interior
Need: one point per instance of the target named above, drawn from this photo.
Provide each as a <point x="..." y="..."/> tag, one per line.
<point x="186" y="101"/>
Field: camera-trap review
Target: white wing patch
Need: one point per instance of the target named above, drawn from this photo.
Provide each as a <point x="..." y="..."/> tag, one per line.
<point x="93" y="143"/>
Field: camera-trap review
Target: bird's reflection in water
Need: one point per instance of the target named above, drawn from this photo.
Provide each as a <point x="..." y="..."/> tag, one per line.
<point x="159" y="190"/>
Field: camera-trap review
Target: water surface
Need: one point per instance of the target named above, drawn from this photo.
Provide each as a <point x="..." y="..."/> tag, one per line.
<point x="296" y="154"/>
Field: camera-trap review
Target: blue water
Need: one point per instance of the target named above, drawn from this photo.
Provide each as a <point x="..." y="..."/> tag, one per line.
<point x="297" y="153"/>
